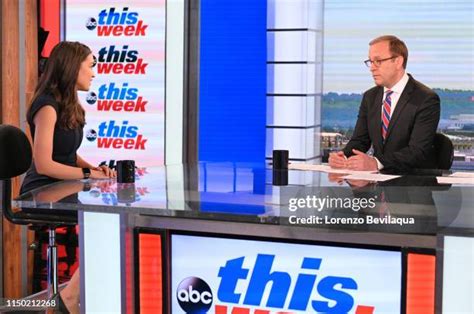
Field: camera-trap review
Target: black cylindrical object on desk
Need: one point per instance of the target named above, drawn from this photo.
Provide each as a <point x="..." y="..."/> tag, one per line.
<point x="280" y="159"/>
<point x="126" y="171"/>
<point x="280" y="177"/>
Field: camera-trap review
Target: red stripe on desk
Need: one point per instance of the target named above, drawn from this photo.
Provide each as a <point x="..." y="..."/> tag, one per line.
<point x="421" y="284"/>
<point x="150" y="276"/>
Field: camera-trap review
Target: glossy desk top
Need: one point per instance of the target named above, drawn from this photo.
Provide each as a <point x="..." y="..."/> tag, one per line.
<point x="413" y="204"/>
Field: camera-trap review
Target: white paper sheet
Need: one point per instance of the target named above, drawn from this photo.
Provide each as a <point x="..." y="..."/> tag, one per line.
<point x="370" y="177"/>
<point x="325" y="168"/>
<point x="455" y="180"/>
<point x="462" y="174"/>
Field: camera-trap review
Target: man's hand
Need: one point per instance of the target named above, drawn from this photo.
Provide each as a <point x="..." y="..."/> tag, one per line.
<point x="355" y="184"/>
<point x="336" y="177"/>
<point x="337" y="160"/>
<point x="361" y="162"/>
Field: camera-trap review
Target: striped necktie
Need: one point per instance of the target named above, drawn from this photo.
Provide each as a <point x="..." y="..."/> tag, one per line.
<point x="386" y="113"/>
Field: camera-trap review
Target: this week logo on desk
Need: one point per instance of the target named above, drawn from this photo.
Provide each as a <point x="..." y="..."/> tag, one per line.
<point x="112" y="97"/>
<point x="244" y="290"/>
<point x="112" y="134"/>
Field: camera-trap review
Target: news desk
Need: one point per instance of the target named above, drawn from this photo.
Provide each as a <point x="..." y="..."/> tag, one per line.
<point x="241" y="238"/>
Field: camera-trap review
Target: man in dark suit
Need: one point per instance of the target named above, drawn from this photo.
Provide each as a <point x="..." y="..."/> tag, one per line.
<point x="398" y="117"/>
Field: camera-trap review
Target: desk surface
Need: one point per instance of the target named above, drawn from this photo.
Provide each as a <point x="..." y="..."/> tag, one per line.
<point x="230" y="192"/>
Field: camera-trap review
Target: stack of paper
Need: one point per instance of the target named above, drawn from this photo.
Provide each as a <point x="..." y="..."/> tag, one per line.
<point x="455" y="180"/>
<point x="350" y="174"/>
<point x="325" y="168"/>
<point x="370" y="177"/>
<point x="462" y="174"/>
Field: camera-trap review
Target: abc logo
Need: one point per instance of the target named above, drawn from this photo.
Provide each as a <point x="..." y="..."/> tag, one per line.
<point x="91" y="23"/>
<point x="91" y="135"/>
<point x="194" y="295"/>
<point x="91" y="98"/>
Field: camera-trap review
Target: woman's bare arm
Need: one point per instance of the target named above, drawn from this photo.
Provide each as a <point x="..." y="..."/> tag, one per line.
<point x="45" y="120"/>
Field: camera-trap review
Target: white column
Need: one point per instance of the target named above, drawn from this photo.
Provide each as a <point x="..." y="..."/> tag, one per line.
<point x="174" y="81"/>
<point x="101" y="263"/>
<point x="294" y="81"/>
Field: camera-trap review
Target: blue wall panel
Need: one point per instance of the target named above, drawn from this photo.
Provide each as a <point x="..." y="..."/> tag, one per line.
<point x="232" y="86"/>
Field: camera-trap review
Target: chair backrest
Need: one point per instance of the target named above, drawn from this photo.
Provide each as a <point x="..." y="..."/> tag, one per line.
<point x="444" y="151"/>
<point x="15" y="152"/>
<point x="15" y="159"/>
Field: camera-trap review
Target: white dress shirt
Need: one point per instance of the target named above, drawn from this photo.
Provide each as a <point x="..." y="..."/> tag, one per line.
<point x="397" y="90"/>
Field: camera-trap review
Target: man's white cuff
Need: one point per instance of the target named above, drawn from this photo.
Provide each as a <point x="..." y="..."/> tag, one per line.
<point x="379" y="164"/>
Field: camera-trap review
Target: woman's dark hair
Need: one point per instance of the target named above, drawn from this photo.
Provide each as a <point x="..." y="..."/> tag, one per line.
<point x="59" y="79"/>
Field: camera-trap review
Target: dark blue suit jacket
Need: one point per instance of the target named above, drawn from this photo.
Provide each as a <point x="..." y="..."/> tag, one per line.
<point x="411" y="132"/>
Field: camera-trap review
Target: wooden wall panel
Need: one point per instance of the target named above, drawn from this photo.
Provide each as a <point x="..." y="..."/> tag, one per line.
<point x="10" y="62"/>
<point x="31" y="49"/>
<point x="31" y="79"/>
<point x="10" y="114"/>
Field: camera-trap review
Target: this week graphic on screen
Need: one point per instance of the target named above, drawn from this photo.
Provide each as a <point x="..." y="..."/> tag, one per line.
<point x="250" y="276"/>
<point x="125" y="105"/>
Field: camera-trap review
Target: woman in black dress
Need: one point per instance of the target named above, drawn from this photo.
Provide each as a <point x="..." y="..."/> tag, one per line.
<point x="56" y="120"/>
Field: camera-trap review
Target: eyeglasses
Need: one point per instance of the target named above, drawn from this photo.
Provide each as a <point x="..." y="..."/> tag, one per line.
<point x="378" y="62"/>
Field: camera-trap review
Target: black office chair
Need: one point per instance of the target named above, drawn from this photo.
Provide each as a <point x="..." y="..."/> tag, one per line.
<point x="15" y="159"/>
<point x="444" y="151"/>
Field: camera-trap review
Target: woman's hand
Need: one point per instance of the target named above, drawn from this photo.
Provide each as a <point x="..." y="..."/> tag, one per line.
<point x="98" y="174"/>
<point x="109" y="173"/>
<point x="102" y="174"/>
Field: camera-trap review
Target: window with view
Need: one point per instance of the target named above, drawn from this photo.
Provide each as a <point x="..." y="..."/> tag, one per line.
<point x="440" y="40"/>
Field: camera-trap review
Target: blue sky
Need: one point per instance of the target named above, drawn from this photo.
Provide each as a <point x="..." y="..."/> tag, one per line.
<point x="439" y="35"/>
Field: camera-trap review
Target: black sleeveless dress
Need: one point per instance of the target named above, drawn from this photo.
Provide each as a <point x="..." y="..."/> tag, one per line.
<point x="66" y="142"/>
